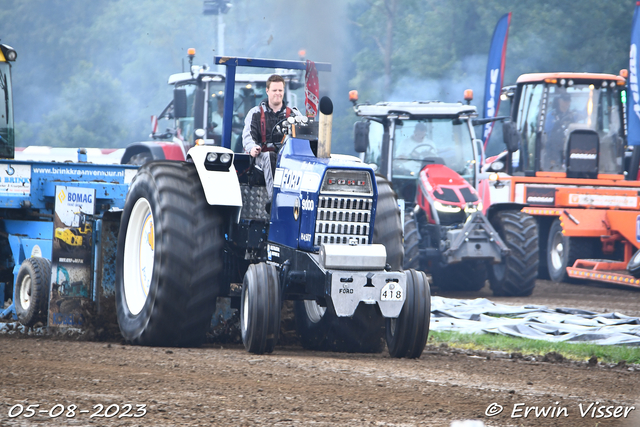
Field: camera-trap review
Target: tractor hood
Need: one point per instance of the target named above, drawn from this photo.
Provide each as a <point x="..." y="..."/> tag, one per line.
<point x="446" y="197"/>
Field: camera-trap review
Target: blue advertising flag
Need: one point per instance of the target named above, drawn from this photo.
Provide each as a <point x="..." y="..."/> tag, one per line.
<point x="495" y="73"/>
<point x="633" y="100"/>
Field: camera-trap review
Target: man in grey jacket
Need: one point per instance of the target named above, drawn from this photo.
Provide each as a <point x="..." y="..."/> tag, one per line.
<point x="257" y="138"/>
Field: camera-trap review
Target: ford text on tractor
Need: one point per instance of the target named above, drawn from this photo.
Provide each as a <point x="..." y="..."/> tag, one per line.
<point x="566" y="160"/>
<point x="198" y="103"/>
<point x="429" y="151"/>
<point x="196" y="232"/>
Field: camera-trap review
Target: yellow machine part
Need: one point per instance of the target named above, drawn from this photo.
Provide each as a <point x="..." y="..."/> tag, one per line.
<point x="69" y="237"/>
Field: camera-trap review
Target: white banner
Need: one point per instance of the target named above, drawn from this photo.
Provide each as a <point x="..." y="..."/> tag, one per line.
<point x="603" y="200"/>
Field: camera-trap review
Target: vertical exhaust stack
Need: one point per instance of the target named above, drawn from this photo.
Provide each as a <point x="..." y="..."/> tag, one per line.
<point x="325" y="122"/>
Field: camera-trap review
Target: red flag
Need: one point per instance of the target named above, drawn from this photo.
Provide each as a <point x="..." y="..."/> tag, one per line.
<point x="311" y="91"/>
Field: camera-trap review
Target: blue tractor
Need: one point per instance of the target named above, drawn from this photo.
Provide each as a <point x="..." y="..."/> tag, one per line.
<point x="195" y="231"/>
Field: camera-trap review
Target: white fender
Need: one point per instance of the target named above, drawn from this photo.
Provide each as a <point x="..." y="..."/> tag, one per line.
<point x="221" y="188"/>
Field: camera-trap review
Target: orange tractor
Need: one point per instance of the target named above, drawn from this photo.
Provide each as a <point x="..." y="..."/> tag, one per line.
<point x="568" y="164"/>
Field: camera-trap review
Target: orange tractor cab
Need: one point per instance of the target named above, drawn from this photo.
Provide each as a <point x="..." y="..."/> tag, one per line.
<point x="567" y="162"/>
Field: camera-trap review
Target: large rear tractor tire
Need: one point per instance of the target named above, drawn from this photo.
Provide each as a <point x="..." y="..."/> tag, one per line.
<point x="563" y="251"/>
<point x="169" y="257"/>
<point x="321" y="329"/>
<point x="468" y="276"/>
<point x="407" y="335"/>
<point x="516" y="274"/>
<point x="387" y="228"/>
<point x="140" y="159"/>
<point x="32" y="291"/>
<point x="260" y="308"/>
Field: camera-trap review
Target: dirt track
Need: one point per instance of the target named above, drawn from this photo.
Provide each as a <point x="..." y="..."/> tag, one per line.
<point x="227" y="386"/>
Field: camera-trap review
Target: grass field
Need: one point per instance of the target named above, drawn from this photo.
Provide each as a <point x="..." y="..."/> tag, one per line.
<point x="572" y="351"/>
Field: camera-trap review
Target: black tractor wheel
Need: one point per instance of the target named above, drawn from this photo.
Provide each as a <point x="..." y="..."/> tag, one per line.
<point x="140" y="159"/>
<point x="544" y="223"/>
<point x="169" y="257"/>
<point x="411" y="243"/>
<point x="387" y="229"/>
<point x="634" y="265"/>
<point x="32" y="291"/>
<point x="320" y="328"/>
<point x="516" y="274"/>
<point x="468" y="276"/>
<point x="407" y="335"/>
<point x="563" y="251"/>
<point x="260" y="308"/>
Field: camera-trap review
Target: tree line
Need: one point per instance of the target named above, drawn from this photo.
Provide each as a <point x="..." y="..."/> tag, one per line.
<point x="92" y="73"/>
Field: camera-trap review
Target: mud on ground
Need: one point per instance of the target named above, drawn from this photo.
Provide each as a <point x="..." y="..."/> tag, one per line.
<point x="221" y="384"/>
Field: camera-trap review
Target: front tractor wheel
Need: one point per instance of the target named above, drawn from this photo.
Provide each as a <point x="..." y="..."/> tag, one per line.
<point x="517" y="273"/>
<point x="634" y="265"/>
<point x="563" y="251"/>
<point x="407" y="335"/>
<point x="260" y="308"/>
<point x="411" y="243"/>
<point x="169" y="257"/>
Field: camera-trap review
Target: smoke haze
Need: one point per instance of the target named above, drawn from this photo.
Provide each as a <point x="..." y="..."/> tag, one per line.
<point x="92" y="73"/>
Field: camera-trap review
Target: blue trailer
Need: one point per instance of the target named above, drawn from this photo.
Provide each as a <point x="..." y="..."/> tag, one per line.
<point x="63" y="215"/>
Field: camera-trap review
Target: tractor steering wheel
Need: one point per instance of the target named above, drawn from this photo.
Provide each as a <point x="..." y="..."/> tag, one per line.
<point x="431" y="151"/>
<point x="278" y="145"/>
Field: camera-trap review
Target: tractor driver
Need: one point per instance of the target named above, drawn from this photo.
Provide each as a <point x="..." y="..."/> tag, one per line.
<point x="556" y="124"/>
<point x="412" y="150"/>
<point x="561" y="115"/>
<point x="257" y="137"/>
<point x="414" y="146"/>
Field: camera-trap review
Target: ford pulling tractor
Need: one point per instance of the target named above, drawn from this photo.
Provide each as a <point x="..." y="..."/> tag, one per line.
<point x="195" y="231"/>
<point x="429" y="152"/>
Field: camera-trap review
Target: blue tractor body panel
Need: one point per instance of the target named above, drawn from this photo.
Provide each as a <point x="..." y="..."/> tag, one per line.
<point x="297" y="183"/>
<point x="27" y="201"/>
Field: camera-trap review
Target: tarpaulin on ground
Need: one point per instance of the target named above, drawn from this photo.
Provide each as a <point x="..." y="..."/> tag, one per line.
<point x="533" y="321"/>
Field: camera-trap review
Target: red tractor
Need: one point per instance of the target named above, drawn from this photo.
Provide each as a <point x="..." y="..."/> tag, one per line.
<point x="429" y="152"/>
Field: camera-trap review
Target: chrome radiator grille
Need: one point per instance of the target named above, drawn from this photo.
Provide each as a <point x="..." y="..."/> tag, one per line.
<point x="342" y="218"/>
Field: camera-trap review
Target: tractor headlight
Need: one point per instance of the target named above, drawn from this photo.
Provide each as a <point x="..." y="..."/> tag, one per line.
<point x="218" y="161"/>
<point x="225" y="157"/>
<point x="440" y="207"/>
